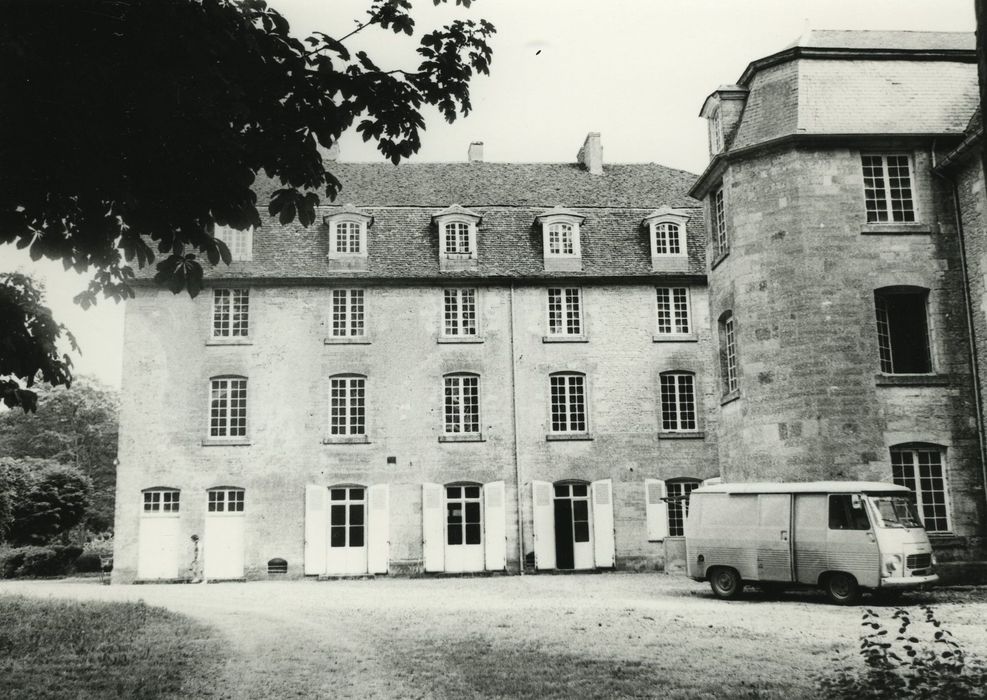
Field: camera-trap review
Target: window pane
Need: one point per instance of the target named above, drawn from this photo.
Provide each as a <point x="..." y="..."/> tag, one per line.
<point x="337" y="515"/>
<point x="580" y="531"/>
<point x="455" y="534"/>
<point x="337" y="536"/>
<point x="356" y="514"/>
<point x="473" y="534"/>
<point x="356" y="536"/>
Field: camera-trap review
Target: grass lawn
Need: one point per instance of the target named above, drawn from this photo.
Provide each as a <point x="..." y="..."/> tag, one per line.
<point x="63" y="649"/>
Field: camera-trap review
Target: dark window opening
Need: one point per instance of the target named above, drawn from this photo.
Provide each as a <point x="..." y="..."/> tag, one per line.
<point x="903" y="332"/>
<point x="847" y="513"/>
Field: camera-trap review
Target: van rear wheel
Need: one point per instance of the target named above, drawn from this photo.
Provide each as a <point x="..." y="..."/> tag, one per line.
<point x="725" y="582"/>
<point x="842" y="589"/>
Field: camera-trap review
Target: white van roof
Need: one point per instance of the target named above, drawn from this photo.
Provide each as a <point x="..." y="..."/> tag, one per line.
<point x="804" y="487"/>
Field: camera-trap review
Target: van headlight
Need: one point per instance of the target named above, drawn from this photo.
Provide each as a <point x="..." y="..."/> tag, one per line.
<point x="892" y="563"/>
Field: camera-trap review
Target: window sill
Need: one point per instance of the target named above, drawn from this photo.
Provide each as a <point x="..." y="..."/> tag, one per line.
<point x="695" y="435"/>
<point x="912" y="379"/>
<point x="564" y="339"/>
<point x="463" y="437"/>
<point x="718" y="259"/>
<point x="730" y="397"/>
<point x="459" y="256"/>
<point x="226" y="442"/>
<point x="346" y="440"/>
<point x="898" y="228"/>
<point x="347" y="340"/>
<point x="675" y="338"/>
<point x="454" y="340"/>
<point x="568" y="437"/>
<point x="230" y="341"/>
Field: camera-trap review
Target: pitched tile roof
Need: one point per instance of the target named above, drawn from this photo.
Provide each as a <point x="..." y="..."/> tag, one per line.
<point x="403" y="242"/>
<point x="896" y="40"/>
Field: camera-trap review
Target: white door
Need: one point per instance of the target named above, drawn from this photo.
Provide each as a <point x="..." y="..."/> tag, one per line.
<point x="464" y="529"/>
<point x="379" y="530"/>
<point x="223" y="545"/>
<point x="158" y="548"/>
<point x="157" y="541"/>
<point x="573" y="527"/>
<point x="544" y="525"/>
<point x="347" y="550"/>
<point x="494" y="526"/>
<point x="604" y="549"/>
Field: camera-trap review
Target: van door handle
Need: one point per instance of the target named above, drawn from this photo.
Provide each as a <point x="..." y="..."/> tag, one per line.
<point x="784" y="535"/>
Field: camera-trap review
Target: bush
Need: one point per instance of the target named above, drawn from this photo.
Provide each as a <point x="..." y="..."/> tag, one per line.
<point x="921" y="661"/>
<point x="56" y="560"/>
<point x="88" y="562"/>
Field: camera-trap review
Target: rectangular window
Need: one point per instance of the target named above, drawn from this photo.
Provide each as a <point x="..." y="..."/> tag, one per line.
<point x="667" y="239"/>
<point x="459" y="312"/>
<point x="230" y="313"/>
<point x="721" y="244"/>
<point x="347" y="406"/>
<point x="673" y="310"/>
<point x="464" y="524"/>
<point x="239" y="242"/>
<point x="457" y="238"/>
<point x="921" y="470"/>
<point x="678" y="505"/>
<point x="565" y="311"/>
<point x="561" y="239"/>
<point x="347" y="237"/>
<point x="228" y="407"/>
<point x="161" y="501"/>
<point x="903" y="331"/>
<point x="347" y="313"/>
<point x="346" y="517"/>
<point x="846" y="512"/>
<point x="462" y="404"/>
<point x="678" y="402"/>
<point x="226" y="501"/>
<point x="568" y="403"/>
<point x="888" y="188"/>
<point x="729" y="358"/>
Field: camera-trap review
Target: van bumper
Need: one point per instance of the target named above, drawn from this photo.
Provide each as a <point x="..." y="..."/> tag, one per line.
<point x="910" y="582"/>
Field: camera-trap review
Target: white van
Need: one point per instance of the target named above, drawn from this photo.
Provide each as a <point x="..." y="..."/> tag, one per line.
<point x="843" y="536"/>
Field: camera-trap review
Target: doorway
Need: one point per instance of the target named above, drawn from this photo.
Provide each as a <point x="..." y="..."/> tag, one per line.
<point x="347" y="550"/>
<point x="573" y="527"/>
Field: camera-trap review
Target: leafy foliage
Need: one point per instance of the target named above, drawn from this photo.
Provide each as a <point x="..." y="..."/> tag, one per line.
<point x="28" y="342"/>
<point x="133" y="127"/>
<point x="46" y="499"/>
<point x="908" y="656"/>
<point x="75" y="426"/>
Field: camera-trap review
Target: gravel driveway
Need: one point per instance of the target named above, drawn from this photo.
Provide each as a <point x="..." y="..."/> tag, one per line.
<point x="575" y="635"/>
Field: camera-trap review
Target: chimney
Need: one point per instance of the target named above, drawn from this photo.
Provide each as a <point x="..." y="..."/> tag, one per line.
<point x="476" y="152"/>
<point x="590" y="156"/>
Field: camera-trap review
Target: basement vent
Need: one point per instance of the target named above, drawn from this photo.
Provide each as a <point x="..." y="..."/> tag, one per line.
<point x="277" y="566"/>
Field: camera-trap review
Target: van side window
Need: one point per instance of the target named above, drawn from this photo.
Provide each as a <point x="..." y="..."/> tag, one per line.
<point x="843" y="516"/>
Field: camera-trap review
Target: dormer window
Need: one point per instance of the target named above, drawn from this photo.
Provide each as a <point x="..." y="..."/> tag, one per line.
<point x="239" y="242"/>
<point x="560" y="238"/>
<point x="457" y="227"/>
<point x="348" y="238"/>
<point x="667" y="234"/>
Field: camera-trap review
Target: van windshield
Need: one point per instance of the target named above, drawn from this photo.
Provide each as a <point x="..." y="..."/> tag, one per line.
<point x="896" y="511"/>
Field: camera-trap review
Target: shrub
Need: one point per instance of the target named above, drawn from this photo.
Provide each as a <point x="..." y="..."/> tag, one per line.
<point x="56" y="560"/>
<point x="87" y="563"/>
<point x="922" y="660"/>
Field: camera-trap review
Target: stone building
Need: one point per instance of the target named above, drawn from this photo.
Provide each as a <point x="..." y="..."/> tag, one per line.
<point x="469" y="367"/>
<point x="836" y="271"/>
<point x="488" y="367"/>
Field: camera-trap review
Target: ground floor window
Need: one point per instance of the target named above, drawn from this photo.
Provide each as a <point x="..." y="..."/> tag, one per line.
<point x="920" y="468"/>
<point x="464" y="522"/>
<point x="678" y="504"/>
<point x="347" y="511"/>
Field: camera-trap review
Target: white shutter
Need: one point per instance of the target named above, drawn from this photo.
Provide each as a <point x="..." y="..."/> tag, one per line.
<point x="316" y="528"/>
<point x="433" y="528"/>
<point x="656" y="509"/>
<point x="378" y="530"/>
<point x="603" y="544"/>
<point x="495" y="526"/>
<point x="543" y="512"/>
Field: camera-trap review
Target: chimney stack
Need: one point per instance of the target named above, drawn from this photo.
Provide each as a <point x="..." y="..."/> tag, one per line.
<point x="476" y="152"/>
<point x="590" y="156"/>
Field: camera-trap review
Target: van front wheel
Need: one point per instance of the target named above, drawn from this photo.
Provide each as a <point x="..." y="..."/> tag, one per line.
<point x="725" y="583"/>
<point x="842" y="589"/>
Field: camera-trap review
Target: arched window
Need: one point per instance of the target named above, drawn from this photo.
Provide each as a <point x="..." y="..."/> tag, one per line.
<point x="347" y="405"/>
<point x="903" y="329"/>
<point x="462" y="403"/>
<point x="568" y="391"/>
<point x="922" y="468"/>
<point x="228" y="407"/>
<point x="678" y="402"/>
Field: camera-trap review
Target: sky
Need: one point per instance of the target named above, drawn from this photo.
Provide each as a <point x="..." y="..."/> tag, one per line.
<point x="637" y="71"/>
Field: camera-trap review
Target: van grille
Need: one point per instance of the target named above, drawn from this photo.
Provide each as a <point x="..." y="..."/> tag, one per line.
<point x="919" y="561"/>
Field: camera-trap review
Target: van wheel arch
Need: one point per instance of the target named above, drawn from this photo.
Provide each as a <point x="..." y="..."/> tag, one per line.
<point x="840" y="587"/>
<point x="725" y="582"/>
